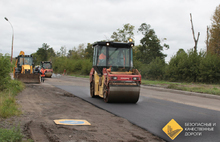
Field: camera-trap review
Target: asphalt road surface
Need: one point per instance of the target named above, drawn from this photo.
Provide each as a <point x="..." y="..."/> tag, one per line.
<point x="198" y="116"/>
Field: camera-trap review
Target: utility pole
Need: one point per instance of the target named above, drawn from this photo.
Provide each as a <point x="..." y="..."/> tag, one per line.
<point x="12" y="38"/>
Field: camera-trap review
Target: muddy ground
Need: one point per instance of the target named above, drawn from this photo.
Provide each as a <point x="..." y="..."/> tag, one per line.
<point x="43" y="103"/>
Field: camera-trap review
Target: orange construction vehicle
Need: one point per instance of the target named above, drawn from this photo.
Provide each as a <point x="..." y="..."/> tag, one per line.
<point x="48" y="66"/>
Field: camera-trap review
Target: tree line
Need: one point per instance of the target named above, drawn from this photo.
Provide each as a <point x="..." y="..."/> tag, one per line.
<point x="149" y="59"/>
<point x="79" y="60"/>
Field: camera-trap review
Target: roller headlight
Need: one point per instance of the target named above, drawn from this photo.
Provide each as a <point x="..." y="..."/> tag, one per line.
<point x="114" y="77"/>
<point x="135" y="78"/>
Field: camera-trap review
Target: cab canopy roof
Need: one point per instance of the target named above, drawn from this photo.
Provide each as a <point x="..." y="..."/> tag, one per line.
<point x="114" y="44"/>
<point x="46" y="62"/>
<point x="23" y="56"/>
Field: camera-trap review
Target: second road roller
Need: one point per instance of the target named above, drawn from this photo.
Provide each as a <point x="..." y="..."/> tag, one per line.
<point x="48" y="66"/>
<point x="113" y="77"/>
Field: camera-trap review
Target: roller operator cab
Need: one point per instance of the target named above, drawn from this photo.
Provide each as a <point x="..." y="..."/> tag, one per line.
<point x="112" y="76"/>
<point x="48" y="66"/>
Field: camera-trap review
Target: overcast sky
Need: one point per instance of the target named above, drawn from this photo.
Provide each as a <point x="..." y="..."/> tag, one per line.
<point x="72" y="22"/>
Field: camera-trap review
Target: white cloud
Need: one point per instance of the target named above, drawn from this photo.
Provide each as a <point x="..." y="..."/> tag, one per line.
<point x="70" y="23"/>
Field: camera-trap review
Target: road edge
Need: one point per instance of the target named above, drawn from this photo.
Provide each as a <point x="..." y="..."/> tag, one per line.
<point x="162" y="89"/>
<point x="204" y="95"/>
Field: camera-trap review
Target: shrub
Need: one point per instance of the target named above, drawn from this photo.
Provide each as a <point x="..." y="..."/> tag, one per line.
<point x="183" y="67"/>
<point x="15" y="87"/>
<point x="78" y="65"/>
<point x="177" y="66"/>
<point x="5" y="66"/>
<point x="9" y="108"/>
<point x="11" y="135"/>
<point x="209" y="68"/>
<point x="156" y="69"/>
<point x="82" y="66"/>
<point x="86" y="67"/>
<point x="194" y="67"/>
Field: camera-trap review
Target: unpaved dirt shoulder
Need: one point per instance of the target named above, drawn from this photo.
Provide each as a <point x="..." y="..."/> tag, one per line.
<point x="41" y="104"/>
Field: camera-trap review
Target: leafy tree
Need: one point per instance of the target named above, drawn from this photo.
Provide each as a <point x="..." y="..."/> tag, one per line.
<point x="35" y="58"/>
<point x="50" y="53"/>
<point x="123" y="35"/>
<point x="181" y="51"/>
<point x="78" y="53"/>
<point x="81" y="51"/>
<point x="150" y="47"/>
<point x="58" y="54"/>
<point x="89" y="52"/>
<point x="214" y="37"/>
<point x="43" y="53"/>
<point x="63" y="51"/>
<point x="73" y="53"/>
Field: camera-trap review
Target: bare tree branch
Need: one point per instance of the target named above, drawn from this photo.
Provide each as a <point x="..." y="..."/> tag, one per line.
<point x="195" y="40"/>
<point x="207" y="39"/>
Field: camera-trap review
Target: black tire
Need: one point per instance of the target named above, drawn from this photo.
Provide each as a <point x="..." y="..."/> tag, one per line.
<point x="92" y="88"/>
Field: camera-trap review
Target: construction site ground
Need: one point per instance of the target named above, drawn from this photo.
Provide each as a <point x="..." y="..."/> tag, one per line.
<point x="42" y="103"/>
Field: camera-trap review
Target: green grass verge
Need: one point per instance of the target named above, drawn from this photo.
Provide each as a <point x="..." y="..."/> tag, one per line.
<point x="78" y="75"/>
<point x="8" y="108"/>
<point x="160" y="83"/>
<point x="11" y="135"/>
<point x="191" y="87"/>
<point x="199" y="88"/>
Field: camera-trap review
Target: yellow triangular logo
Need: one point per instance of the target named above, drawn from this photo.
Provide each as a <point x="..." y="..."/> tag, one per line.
<point x="172" y="129"/>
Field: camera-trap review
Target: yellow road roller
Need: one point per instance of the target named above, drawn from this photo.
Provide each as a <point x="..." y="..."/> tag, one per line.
<point x="112" y="76"/>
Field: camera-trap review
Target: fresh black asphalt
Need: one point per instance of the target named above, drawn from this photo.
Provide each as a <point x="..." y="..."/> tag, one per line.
<point x="153" y="114"/>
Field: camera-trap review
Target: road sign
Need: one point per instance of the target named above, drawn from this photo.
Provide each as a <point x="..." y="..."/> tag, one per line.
<point x="71" y="122"/>
<point x="172" y="129"/>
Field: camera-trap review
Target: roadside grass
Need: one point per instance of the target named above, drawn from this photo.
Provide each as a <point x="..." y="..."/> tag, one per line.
<point x="191" y="87"/>
<point x="9" y="108"/>
<point x="158" y="83"/>
<point x="200" y="88"/>
<point x="82" y="76"/>
<point x="79" y="75"/>
<point x="11" y="135"/>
